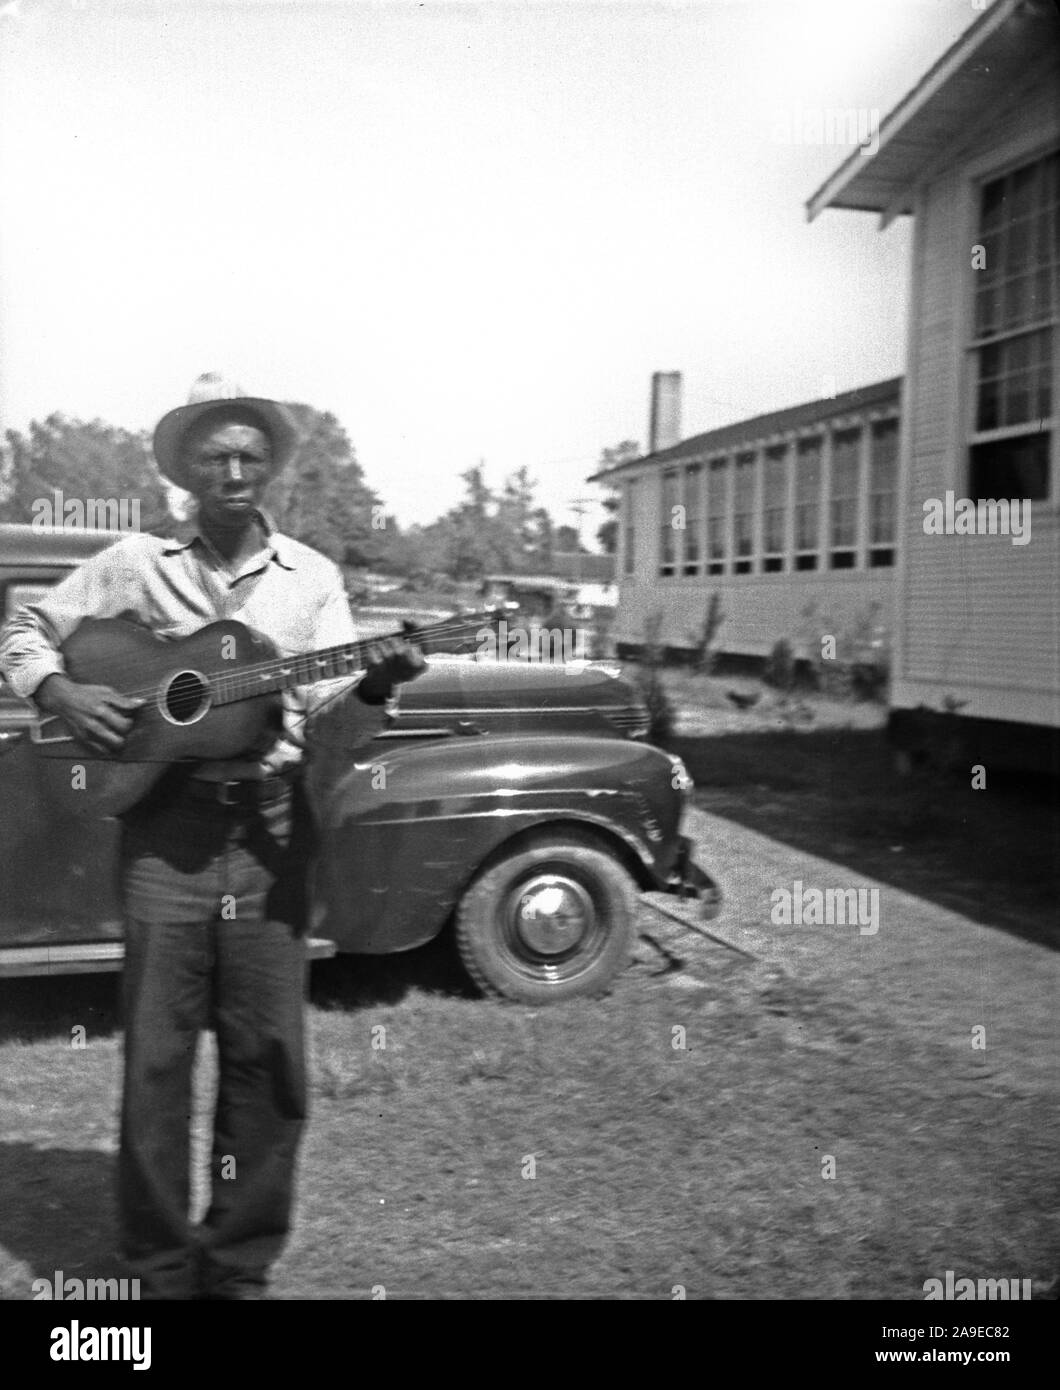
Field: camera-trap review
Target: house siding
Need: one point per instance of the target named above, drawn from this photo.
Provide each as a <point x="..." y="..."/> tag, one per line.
<point x="758" y="612"/>
<point x="979" y="615"/>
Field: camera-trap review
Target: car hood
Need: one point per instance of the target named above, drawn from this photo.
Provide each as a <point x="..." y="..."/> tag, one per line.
<point x="515" y="696"/>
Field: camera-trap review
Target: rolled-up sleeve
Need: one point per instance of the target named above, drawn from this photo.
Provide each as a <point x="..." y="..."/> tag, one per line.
<point x="338" y="722"/>
<point x="334" y="628"/>
<point x="31" y="637"/>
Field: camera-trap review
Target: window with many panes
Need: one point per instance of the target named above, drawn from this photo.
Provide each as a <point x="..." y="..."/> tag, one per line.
<point x="883" y="489"/>
<point x="1013" y="347"/>
<point x="775" y="508"/>
<point x="717" y="516"/>
<point x="843" y="499"/>
<point x="629" y="552"/>
<point x="807" y="503"/>
<point x="668" y="532"/>
<point x="743" y="513"/>
<point x="693" y="516"/>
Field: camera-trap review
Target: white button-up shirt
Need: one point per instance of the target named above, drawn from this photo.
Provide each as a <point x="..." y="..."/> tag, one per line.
<point x="288" y="592"/>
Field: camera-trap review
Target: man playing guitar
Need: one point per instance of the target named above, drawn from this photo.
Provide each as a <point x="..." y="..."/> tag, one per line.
<point x="214" y="857"/>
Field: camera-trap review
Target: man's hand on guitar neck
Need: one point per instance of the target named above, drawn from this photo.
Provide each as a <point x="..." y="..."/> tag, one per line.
<point x="390" y="662"/>
<point x="95" y="714"/>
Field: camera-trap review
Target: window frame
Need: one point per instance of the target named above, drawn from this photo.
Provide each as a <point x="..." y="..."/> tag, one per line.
<point x="719" y="467"/>
<point x="744" y="464"/>
<point x="692" y="559"/>
<point x="990" y="168"/>
<point x="670" y="547"/>
<point x="844" y="557"/>
<point x="803" y="554"/>
<point x="883" y="554"/>
<point x="774" y="560"/>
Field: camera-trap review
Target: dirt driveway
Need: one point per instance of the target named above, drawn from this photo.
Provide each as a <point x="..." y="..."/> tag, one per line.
<point x="987" y="1000"/>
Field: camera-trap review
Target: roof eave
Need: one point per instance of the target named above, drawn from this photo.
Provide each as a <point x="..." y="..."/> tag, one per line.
<point x="830" y="194"/>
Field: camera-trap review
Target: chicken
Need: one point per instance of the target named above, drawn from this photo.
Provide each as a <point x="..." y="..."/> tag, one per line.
<point x="744" y="699"/>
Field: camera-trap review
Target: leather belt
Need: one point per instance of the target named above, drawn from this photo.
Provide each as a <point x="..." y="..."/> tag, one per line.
<point x="245" y="794"/>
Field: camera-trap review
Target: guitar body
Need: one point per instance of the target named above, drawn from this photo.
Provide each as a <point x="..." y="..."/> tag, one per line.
<point x="179" y="720"/>
<point x="213" y="695"/>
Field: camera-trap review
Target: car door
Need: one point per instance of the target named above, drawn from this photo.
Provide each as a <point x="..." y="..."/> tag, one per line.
<point x="58" y="880"/>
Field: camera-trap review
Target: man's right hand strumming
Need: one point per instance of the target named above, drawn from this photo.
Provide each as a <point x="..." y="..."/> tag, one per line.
<point x="95" y="714"/>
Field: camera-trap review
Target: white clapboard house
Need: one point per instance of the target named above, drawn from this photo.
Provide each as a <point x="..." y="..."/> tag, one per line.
<point x="973" y="154"/>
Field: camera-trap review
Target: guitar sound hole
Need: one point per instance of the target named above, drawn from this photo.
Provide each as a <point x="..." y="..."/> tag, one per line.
<point x="186" y="698"/>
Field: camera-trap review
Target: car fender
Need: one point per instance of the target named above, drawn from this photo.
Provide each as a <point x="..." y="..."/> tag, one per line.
<point x="404" y="828"/>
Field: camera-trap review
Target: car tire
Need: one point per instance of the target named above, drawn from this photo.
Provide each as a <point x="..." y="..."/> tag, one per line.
<point x="553" y="919"/>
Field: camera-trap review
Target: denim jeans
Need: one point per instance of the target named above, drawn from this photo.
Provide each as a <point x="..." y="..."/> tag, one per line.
<point x="214" y="908"/>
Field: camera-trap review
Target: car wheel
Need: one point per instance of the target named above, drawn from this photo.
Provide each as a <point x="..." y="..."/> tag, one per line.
<point x="554" y="918"/>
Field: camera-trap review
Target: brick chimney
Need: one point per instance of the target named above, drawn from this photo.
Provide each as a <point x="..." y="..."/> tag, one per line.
<point x="665" y="427"/>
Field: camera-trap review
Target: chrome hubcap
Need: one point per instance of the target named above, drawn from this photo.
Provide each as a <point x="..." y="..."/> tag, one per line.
<point x="552" y="914"/>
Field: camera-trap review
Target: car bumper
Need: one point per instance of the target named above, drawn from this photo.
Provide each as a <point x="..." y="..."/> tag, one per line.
<point x="687" y="880"/>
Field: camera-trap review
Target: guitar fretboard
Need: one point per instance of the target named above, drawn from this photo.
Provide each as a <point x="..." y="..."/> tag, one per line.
<point x="307" y="668"/>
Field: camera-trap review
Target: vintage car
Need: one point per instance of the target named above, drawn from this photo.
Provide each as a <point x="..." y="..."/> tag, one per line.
<point x="518" y="800"/>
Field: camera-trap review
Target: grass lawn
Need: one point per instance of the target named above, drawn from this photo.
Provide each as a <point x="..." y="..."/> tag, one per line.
<point x="652" y="1165"/>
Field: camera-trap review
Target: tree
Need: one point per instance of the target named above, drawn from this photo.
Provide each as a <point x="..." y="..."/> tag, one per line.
<point x="524" y="531"/>
<point x="567" y="541"/>
<point x="471" y="549"/>
<point x="545" y="542"/>
<point x="613" y="457"/>
<point x="485" y="532"/>
<point x="321" y="497"/>
<point x="617" y="454"/>
<point x="515" y="529"/>
<point x="415" y="554"/>
<point x="84" y="461"/>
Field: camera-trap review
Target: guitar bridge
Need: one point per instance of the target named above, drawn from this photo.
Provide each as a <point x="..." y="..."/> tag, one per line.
<point x="37" y="734"/>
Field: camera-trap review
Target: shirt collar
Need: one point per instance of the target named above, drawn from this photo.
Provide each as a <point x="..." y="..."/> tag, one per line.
<point x="185" y="533"/>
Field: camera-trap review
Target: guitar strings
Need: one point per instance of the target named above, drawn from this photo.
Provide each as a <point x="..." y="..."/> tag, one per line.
<point x="277" y="663"/>
<point x="428" y="634"/>
<point x="291" y="718"/>
<point x="241" y="683"/>
<point x="424" y="634"/>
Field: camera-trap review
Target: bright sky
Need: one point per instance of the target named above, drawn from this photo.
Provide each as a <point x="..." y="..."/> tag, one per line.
<point x="472" y="231"/>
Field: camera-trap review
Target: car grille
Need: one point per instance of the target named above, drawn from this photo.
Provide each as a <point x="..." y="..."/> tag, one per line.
<point x="631" y="719"/>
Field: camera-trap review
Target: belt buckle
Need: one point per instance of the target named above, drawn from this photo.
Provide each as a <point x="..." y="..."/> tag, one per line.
<point x="222" y="793"/>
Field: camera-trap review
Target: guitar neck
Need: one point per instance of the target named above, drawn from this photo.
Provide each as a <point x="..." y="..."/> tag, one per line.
<point x="308" y="668"/>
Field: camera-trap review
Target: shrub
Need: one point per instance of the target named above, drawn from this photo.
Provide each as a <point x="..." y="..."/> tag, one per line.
<point x="702" y="638"/>
<point x="869" y="643"/>
<point x="870" y="680"/>
<point x="661" y="712"/>
<point x="652" y="647"/>
<point x="779" y="670"/>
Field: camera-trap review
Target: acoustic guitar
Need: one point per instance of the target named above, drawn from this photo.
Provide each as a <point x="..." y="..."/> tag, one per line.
<point x="211" y="695"/>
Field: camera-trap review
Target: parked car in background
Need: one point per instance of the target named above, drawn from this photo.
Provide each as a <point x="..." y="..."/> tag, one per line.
<point x="519" y="801"/>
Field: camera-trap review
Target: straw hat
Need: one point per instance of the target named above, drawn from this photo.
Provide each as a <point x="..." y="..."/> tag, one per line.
<point x="209" y="392"/>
